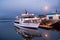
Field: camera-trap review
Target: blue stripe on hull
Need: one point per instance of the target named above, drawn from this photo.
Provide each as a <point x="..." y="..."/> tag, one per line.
<point x="28" y="27"/>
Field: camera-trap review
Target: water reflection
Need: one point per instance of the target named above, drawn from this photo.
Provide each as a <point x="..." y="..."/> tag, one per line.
<point x="28" y="34"/>
<point x="46" y="34"/>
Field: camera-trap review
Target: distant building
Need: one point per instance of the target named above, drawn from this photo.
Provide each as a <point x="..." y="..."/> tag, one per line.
<point x="42" y="17"/>
<point x="53" y="16"/>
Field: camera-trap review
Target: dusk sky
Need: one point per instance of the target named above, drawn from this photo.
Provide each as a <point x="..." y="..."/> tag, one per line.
<point x="9" y="8"/>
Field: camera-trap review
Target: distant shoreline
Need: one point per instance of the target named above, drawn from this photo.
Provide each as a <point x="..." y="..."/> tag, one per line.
<point x="6" y="20"/>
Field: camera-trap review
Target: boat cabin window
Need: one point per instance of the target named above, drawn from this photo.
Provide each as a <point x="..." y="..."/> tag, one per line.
<point x="28" y="17"/>
<point x="31" y="21"/>
<point x="17" y="22"/>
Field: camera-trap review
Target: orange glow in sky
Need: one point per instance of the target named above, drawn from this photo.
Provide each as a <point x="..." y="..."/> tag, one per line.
<point x="46" y="7"/>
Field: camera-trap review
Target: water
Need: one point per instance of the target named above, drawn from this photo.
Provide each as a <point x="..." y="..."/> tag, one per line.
<point x="8" y="32"/>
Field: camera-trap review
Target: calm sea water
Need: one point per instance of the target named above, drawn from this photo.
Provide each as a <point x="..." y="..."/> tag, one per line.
<point x="7" y="32"/>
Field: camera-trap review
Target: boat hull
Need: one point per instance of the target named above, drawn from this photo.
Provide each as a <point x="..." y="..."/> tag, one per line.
<point x="27" y="26"/>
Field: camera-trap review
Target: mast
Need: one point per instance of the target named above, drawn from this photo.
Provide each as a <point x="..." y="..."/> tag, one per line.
<point x="56" y="10"/>
<point x="26" y="11"/>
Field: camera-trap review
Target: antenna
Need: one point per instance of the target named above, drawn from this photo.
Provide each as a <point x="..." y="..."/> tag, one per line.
<point x="56" y="10"/>
<point x="25" y="11"/>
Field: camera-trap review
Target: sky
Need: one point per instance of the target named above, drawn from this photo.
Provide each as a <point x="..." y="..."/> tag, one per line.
<point x="12" y="8"/>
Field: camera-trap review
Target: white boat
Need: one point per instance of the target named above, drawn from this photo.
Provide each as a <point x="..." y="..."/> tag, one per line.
<point x="27" y="25"/>
<point x="27" y="21"/>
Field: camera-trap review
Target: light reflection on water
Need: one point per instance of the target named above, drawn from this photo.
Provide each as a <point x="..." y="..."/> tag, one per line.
<point x="49" y="34"/>
<point x="7" y="31"/>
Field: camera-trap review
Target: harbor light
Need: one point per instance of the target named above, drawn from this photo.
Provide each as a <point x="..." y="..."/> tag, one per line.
<point x="46" y="7"/>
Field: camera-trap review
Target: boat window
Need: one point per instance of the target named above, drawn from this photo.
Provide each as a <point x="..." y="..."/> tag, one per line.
<point x="17" y="22"/>
<point x="27" y="21"/>
<point x="28" y="17"/>
<point x="35" y="21"/>
<point x="31" y="21"/>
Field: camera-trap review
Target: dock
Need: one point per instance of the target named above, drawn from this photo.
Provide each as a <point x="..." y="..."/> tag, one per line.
<point x="54" y="24"/>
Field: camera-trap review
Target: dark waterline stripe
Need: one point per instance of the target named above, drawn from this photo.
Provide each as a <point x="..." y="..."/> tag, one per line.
<point x="29" y="27"/>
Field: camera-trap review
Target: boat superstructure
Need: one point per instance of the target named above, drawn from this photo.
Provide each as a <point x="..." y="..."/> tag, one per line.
<point x="27" y="21"/>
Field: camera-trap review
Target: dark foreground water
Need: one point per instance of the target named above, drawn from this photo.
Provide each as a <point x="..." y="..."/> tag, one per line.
<point x="7" y="32"/>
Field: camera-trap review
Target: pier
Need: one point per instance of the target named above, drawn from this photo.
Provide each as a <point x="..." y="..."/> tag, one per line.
<point x="50" y="24"/>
